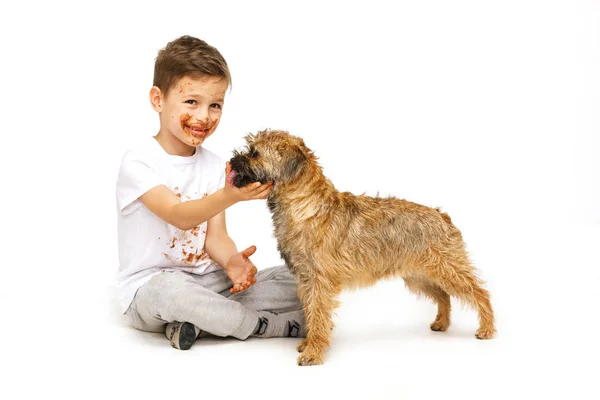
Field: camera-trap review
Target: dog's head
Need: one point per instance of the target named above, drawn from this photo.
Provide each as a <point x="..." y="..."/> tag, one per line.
<point x="269" y="156"/>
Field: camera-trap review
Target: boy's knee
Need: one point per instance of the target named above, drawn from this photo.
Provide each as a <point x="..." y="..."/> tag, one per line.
<point x="144" y="321"/>
<point x="152" y="326"/>
<point x="284" y="274"/>
<point x="278" y="273"/>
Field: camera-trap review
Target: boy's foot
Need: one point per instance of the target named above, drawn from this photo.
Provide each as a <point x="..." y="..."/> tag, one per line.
<point x="290" y="324"/>
<point x="182" y="334"/>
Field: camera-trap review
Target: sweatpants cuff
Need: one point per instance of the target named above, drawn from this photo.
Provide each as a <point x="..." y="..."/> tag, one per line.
<point x="247" y="326"/>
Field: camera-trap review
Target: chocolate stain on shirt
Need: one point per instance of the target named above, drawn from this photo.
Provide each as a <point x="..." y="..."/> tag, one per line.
<point x="194" y="257"/>
<point x="189" y="251"/>
<point x="177" y="192"/>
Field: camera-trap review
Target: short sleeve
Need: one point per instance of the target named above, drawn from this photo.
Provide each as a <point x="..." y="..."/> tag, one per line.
<point x="135" y="178"/>
<point x="220" y="182"/>
<point x="217" y="166"/>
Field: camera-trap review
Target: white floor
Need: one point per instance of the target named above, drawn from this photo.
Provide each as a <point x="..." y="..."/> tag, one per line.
<point x="67" y="340"/>
<point x="547" y="346"/>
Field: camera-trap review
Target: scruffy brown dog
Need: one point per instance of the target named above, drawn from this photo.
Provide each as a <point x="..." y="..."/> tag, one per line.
<point x="334" y="240"/>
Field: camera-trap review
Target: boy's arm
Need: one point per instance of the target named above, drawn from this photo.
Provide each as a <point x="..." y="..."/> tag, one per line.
<point x="218" y="244"/>
<point x="221" y="248"/>
<point x="189" y="214"/>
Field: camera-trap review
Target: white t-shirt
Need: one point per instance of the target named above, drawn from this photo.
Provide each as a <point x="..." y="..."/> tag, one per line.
<point x="147" y="244"/>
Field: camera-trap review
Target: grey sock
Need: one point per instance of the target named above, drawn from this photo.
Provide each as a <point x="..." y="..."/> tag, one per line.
<point x="290" y="324"/>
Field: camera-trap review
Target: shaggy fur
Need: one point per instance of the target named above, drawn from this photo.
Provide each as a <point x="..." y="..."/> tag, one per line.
<point x="335" y="240"/>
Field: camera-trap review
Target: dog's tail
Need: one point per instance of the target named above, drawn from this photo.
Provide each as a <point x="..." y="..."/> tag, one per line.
<point x="451" y="229"/>
<point x="445" y="216"/>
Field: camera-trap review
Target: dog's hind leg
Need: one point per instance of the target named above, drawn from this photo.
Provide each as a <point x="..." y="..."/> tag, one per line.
<point x="456" y="276"/>
<point x="422" y="286"/>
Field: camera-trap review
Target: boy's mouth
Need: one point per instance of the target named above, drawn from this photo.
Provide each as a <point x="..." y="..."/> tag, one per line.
<point x="197" y="131"/>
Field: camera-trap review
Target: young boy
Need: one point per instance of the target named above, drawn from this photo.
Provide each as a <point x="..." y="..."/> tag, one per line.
<point x="180" y="273"/>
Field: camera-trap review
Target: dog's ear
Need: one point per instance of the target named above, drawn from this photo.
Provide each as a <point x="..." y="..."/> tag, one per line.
<point x="250" y="138"/>
<point x="294" y="165"/>
<point x="307" y="152"/>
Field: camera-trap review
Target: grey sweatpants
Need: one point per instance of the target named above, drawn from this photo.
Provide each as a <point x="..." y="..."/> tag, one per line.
<point x="205" y="301"/>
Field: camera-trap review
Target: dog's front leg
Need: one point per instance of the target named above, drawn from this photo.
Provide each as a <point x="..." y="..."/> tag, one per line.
<point x="318" y="297"/>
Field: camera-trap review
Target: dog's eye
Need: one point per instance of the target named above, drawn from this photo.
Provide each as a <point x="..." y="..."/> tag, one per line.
<point x="253" y="153"/>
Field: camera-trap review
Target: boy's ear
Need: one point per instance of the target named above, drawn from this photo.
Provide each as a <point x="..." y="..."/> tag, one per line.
<point x="156" y="99"/>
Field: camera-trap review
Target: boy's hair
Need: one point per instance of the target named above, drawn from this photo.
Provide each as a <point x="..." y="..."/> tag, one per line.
<point x="188" y="56"/>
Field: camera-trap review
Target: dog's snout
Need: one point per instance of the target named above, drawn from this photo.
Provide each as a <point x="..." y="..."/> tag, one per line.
<point x="240" y="163"/>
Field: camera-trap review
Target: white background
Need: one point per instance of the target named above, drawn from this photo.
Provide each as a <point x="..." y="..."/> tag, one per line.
<point x="490" y="110"/>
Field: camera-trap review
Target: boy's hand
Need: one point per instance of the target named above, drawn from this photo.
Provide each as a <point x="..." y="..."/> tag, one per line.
<point x="241" y="270"/>
<point x="252" y="191"/>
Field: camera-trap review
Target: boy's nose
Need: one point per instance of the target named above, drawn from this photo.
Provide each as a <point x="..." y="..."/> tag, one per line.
<point x="202" y="116"/>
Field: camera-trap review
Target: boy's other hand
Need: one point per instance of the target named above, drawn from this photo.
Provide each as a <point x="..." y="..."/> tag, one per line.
<point x="241" y="270"/>
<point x="252" y="191"/>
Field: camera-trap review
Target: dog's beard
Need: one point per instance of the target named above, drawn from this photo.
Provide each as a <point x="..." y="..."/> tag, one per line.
<point x="241" y="180"/>
<point x="242" y="174"/>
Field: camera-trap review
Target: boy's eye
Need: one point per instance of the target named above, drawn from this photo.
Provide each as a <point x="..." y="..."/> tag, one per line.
<point x="192" y="102"/>
<point x="215" y="105"/>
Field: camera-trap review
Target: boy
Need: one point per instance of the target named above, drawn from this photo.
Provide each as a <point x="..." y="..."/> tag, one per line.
<point x="180" y="273"/>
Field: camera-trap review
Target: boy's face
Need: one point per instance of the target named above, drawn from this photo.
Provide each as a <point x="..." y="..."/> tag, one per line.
<point x="190" y="111"/>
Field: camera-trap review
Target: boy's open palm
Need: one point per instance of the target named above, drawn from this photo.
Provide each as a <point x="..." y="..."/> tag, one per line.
<point x="241" y="270"/>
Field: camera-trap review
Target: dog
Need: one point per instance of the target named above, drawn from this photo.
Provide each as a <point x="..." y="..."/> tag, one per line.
<point x="333" y="240"/>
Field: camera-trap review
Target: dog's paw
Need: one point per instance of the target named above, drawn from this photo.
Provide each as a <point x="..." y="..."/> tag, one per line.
<point x="310" y="358"/>
<point x="301" y="346"/>
<point x="484" y="333"/>
<point x="439" y="326"/>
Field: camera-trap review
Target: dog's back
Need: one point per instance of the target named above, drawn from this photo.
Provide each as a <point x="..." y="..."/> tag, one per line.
<point x="401" y="224"/>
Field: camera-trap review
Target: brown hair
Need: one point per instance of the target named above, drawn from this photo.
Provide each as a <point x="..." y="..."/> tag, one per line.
<point x="187" y="56"/>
